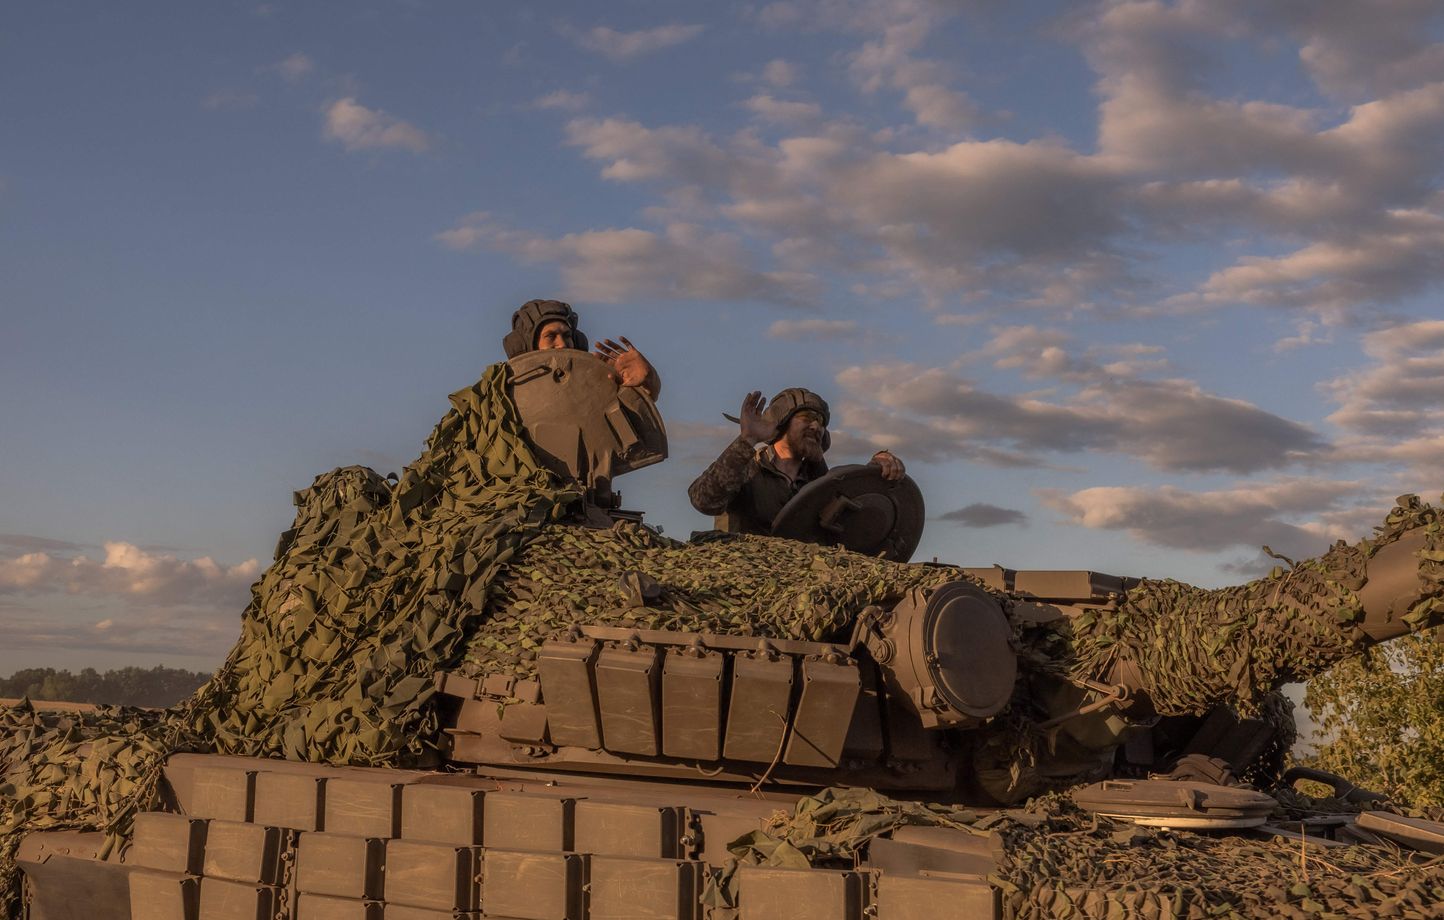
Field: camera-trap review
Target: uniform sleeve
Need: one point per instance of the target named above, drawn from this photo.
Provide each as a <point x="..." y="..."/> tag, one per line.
<point x="714" y="490"/>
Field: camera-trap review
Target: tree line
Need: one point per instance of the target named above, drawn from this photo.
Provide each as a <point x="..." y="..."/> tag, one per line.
<point x="155" y="687"/>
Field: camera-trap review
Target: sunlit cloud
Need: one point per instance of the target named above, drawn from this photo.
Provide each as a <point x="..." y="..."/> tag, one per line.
<point x="356" y="127"/>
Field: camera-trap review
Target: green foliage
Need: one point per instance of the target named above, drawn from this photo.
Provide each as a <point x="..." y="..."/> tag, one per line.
<point x="1383" y="718"/>
<point x="154" y="688"/>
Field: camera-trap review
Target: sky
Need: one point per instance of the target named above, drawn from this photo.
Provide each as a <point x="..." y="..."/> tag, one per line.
<point x="1130" y="286"/>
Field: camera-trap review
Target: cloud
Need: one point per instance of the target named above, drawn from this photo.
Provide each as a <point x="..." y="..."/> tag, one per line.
<point x="201" y="631"/>
<point x="1384" y="266"/>
<point x="981" y="514"/>
<point x="1248" y="515"/>
<point x="782" y="111"/>
<point x="11" y="543"/>
<point x="626" y="46"/>
<point x="684" y="262"/>
<point x="815" y="330"/>
<point x="359" y="128"/>
<point x="125" y="573"/>
<point x="230" y="99"/>
<point x="565" y="100"/>
<point x="781" y="73"/>
<point x="1170" y="424"/>
<point x="295" y="67"/>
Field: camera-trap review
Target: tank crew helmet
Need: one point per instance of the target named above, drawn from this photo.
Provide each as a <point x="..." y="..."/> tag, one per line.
<point x="792" y="401"/>
<point x="527" y="323"/>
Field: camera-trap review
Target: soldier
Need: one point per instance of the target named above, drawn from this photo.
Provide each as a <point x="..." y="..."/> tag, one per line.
<point x="778" y="451"/>
<point x="543" y="324"/>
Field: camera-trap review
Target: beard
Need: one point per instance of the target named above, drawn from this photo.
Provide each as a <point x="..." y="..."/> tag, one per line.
<point x="804" y="445"/>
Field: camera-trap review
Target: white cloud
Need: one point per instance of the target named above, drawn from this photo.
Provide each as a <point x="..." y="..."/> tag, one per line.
<point x="359" y="128"/>
<point x="1170" y="424"/>
<point x="781" y="73"/>
<point x="815" y="330"/>
<point x="566" y="100"/>
<point x="783" y="111"/>
<point x="127" y="572"/>
<point x="625" y="46"/>
<point x="295" y="67"/>
<point x="684" y="262"/>
<point x="1296" y="517"/>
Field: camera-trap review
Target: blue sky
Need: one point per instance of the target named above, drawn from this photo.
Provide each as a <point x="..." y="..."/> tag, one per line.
<point x="1131" y="286"/>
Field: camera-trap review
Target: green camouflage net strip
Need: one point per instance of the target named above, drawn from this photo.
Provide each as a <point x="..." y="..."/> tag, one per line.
<point x="1200" y="648"/>
<point x="724" y="583"/>
<point x="73" y="770"/>
<point x="371" y="593"/>
<point x="1059" y="862"/>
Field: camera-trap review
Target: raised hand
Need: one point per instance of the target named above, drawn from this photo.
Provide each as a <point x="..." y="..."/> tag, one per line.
<point x="754" y="427"/>
<point x="630" y="367"/>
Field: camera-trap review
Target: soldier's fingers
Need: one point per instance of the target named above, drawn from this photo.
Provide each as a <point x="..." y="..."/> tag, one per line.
<point x="627" y="342"/>
<point x="614" y="346"/>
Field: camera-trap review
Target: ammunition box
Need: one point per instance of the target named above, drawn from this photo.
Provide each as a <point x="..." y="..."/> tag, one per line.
<point x="444" y="814"/>
<point x="64" y="879"/>
<point x="533" y="886"/>
<point x="436" y="875"/>
<point x="622" y="829"/>
<point x="479" y="716"/>
<point x="249" y="852"/>
<point x="628" y="694"/>
<point x="525" y="723"/>
<point x="864" y="733"/>
<point x="622" y="888"/>
<point x="528" y="821"/>
<point x="454" y="684"/>
<point x="164" y="895"/>
<point x="323" y="907"/>
<point x="901" y="897"/>
<point x="402" y="912"/>
<point x="223" y="900"/>
<point x="692" y="704"/>
<point x="347" y="867"/>
<point x="569" y="690"/>
<point x="824" y="712"/>
<point x="294" y="800"/>
<point x="168" y="843"/>
<point x="363" y="808"/>
<point x="225" y="793"/>
<point x="757" y="714"/>
<point x="800" y="894"/>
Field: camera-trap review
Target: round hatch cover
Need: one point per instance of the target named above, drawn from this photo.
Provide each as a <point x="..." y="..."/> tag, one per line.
<point x="583" y="425"/>
<point x="855" y="508"/>
<point x="1176" y="803"/>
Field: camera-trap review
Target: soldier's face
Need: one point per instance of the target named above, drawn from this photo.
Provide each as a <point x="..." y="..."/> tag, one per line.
<point x="555" y="334"/>
<point x="804" y="435"/>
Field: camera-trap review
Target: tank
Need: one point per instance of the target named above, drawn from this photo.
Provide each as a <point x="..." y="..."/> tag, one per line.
<point x="484" y="688"/>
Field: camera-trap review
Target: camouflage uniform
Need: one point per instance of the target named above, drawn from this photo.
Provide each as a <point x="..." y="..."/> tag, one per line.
<point x="744" y="488"/>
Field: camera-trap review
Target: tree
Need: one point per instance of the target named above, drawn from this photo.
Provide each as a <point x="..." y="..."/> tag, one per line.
<point x="1382" y="718"/>
<point x="155" y="687"/>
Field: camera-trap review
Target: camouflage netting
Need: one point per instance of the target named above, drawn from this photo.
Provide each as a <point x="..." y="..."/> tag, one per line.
<point x="1201" y="648"/>
<point x="370" y="594"/>
<point x="1062" y="863"/>
<point x="723" y="583"/>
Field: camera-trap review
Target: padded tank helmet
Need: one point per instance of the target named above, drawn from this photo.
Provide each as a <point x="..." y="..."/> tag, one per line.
<point x="791" y="401"/>
<point x="527" y="323"/>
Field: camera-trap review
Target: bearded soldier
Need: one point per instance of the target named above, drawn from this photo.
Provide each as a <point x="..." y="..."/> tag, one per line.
<point x="543" y="324"/>
<point x="778" y="451"/>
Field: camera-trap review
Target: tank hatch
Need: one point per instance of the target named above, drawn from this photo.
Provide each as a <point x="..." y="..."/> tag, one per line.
<point x="856" y="508"/>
